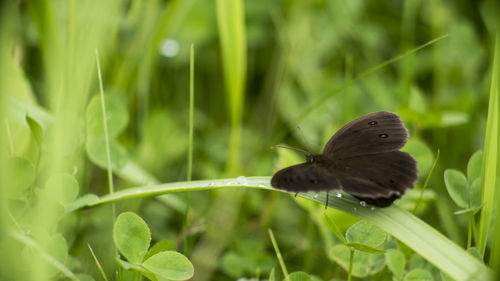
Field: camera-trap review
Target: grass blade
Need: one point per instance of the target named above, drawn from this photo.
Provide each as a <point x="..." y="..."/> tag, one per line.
<point x="97" y="263"/>
<point x="105" y="125"/>
<point x="231" y="24"/>
<point x="495" y="90"/>
<point x="490" y="159"/>
<point x="278" y="253"/>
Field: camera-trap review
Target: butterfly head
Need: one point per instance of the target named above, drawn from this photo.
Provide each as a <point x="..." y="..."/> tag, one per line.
<point x="314" y="158"/>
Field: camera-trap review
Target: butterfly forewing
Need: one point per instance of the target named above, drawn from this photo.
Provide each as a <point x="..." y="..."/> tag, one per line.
<point x="373" y="133"/>
<point x="305" y="177"/>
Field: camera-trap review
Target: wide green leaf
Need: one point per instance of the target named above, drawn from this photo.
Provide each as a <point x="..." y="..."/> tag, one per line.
<point x="116" y="113"/>
<point x="132" y="236"/>
<point x="365" y="233"/>
<point x="396" y="262"/>
<point x="418" y="274"/>
<point x="96" y="150"/>
<point x="474" y="166"/>
<point x="170" y="265"/>
<point x="164" y="245"/>
<point x="457" y="187"/>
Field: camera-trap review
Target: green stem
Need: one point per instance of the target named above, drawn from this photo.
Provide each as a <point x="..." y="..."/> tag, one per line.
<point x="351" y="260"/>
<point x="426" y="181"/>
<point x="278" y="254"/>
<point x="106" y="138"/>
<point x="469" y="232"/>
<point x="190" y="145"/>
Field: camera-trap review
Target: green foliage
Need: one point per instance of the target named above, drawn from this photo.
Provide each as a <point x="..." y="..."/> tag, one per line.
<point x="169" y="265"/>
<point x="21" y="175"/>
<point x="36" y="129"/>
<point x="466" y="191"/>
<point x="301" y="276"/>
<point x="363" y="237"/>
<point x="132" y="237"/>
<point x="422" y="153"/>
<point x="262" y="69"/>
<point x="396" y="262"/>
<point x="418" y="274"/>
<point x="458" y="188"/>
<point x="365" y="233"/>
<point x="63" y="186"/>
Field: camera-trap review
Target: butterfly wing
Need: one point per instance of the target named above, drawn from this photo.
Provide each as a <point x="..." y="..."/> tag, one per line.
<point x="378" y="179"/>
<point x="305" y="177"/>
<point x="377" y="132"/>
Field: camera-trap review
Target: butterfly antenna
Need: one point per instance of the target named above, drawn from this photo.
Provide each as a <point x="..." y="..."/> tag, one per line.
<point x="292" y="148"/>
<point x="304" y="137"/>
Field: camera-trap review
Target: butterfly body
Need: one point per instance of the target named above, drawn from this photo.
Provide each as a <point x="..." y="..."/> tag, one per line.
<point x="362" y="158"/>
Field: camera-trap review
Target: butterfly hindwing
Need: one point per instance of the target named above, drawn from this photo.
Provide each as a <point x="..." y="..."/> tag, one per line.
<point x="305" y="177"/>
<point x="379" y="175"/>
<point x="377" y="132"/>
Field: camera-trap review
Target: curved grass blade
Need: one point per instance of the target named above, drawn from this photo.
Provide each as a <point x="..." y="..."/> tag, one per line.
<point x="409" y="229"/>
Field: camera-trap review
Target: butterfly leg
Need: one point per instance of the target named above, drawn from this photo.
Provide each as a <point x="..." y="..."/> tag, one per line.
<point x="296" y="194"/>
<point x="326" y="204"/>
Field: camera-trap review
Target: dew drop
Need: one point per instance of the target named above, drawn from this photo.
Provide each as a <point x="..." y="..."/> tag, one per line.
<point x="241" y="179"/>
<point x="338" y="195"/>
<point x="315" y="195"/>
<point x="354" y="208"/>
<point x="372" y="122"/>
<point x="211" y="184"/>
<point x="383" y="136"/>
<point x="362" y="203"/>
<point x="169" y="48"/>
<point x="372" y="208"/>
<point x="262" y="185"/>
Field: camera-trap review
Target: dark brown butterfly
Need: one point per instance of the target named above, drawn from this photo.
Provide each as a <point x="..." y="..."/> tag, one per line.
<point x="362" y="159"/>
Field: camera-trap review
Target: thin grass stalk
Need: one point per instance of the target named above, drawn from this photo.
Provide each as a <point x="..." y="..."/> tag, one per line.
<point x="427" y="181"/>
<point x="278" y="254"/>
<point x="190" y="145"/>
<point x="351" y="261"/>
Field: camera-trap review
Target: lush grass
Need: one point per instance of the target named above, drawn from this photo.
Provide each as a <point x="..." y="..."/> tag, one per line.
<point x="81" y="139"/>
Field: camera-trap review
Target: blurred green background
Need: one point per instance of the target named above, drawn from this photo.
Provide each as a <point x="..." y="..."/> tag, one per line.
<point x="260" y="69"/>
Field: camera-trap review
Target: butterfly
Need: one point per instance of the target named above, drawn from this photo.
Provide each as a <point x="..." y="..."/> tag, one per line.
<point x="362" y="159"/>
